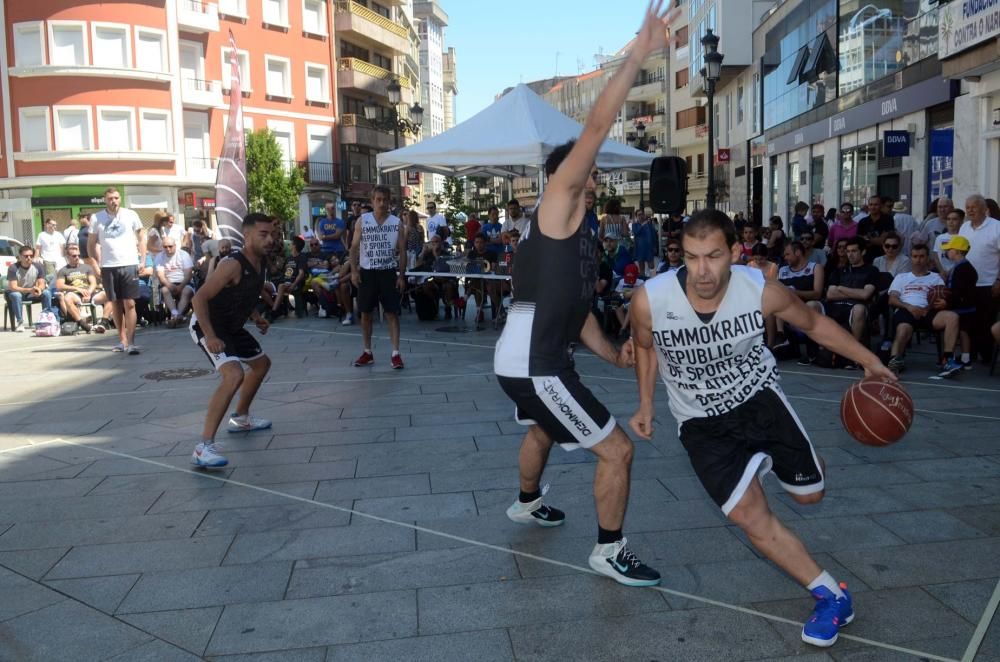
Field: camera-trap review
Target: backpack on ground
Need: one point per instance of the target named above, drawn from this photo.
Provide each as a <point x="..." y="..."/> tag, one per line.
<point x="47" y="325"/>
<point x="68" y="328"/>
<point x="426" y="305"/>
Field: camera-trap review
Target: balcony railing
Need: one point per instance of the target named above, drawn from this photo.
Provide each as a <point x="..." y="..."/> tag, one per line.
<point x="198" y="85"/>
<point x="369" y="69"/>
<point x="319" y="172"/>
<point x="359" y="10"/>
<point x="197" y="16"/>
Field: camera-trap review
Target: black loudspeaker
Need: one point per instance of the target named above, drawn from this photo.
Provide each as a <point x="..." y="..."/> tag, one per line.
<point x="668" y="185"/>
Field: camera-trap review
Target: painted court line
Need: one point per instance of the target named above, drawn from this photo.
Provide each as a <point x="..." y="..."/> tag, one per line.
<point x="507" y="550"/>
<point x="984" y="625"/>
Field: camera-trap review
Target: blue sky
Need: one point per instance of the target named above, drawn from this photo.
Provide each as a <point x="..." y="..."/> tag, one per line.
<point x="500" y="44"/>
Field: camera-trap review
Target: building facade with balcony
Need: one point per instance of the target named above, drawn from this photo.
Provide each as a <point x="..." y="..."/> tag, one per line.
<point x="431" y="23"/>
<point x="375" y="44"/>
<point x="853" y="103"/>
<point x="134" y="94"/>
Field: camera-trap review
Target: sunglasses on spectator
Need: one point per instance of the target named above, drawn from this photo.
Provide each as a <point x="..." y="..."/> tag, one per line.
<point x="673" y="250"/>
<point x="890" y="245"/>
<point x="28" y="255"/>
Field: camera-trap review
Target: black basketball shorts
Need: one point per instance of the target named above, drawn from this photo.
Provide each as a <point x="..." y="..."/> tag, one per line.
<point x="562" y="406"/>
<point x="240" y="346"/>
<point x="120" y="282"/>
<point x="378" y="286"/>
<point x="762" y="434"/>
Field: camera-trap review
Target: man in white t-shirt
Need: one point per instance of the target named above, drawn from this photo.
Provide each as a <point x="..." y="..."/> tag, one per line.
<point x="435" y="222"/>
<point x="116" y="241"/>
<point x="173" y="269"/>
<point x="910" y="295"/>
<point x="72" y="232"/>
<point x="904" y="224"/>
<point x="51" y="248"/>
<point x="983" y="233"/>
<point x="516" y="220"/>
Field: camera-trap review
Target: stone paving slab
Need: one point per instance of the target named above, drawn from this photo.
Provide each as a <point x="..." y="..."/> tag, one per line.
<point x="912" y="528"/>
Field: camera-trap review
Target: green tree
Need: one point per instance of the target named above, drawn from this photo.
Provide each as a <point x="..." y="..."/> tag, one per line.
<point x="273" y="186"/>
<point x="454" y="201"/>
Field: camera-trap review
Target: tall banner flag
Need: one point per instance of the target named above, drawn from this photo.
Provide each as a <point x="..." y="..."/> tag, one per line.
<point x="231" y="174"/>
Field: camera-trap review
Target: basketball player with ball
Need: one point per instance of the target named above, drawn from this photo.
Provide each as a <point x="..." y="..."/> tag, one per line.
<point x="702" y="326"/>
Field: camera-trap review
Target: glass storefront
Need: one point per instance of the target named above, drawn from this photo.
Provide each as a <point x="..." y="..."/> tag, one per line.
<point x="799" y="63"/>
<point x="774" y="185"/>
<point x="816" y="180"/>
<point x="858" y="173"/>
<point x="793" y="189"/>
<point x="878" y="38"/>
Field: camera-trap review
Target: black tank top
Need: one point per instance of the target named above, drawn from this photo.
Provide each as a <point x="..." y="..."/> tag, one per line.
<point x="553" y="287"/>
<point x="231" y="307"/>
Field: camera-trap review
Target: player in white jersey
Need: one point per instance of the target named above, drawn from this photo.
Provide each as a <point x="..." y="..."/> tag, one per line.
<point x="703" y="327"/>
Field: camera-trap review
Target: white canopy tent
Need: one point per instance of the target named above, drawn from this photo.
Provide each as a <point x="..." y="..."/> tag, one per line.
<point x="511" y="138"/>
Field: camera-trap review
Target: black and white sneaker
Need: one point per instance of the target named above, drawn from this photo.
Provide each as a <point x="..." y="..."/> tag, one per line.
<point x="617" y="561"/>
<point x="535" y="512"/>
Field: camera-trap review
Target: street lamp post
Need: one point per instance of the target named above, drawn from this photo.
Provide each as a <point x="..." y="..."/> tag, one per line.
<point x="711" y="73"/>
<point x="395" y="121"/>
<point x="639" y="140"/>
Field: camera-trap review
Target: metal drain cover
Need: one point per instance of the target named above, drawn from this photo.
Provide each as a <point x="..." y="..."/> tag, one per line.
<point x="175" y="374"/>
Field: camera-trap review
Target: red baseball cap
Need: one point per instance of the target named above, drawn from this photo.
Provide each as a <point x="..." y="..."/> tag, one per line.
<point x="631" y="274"/>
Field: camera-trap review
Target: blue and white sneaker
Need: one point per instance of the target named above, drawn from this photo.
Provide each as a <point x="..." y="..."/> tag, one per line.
<point x="617" y="561"/>
<point x="830" y="614"/>
<point x="207" y="456"/>
<point x="247" y="423"/>
<point x="950" y="368"/>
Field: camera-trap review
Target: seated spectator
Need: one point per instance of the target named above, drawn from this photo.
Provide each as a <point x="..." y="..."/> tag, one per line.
<point x="759" y="260"/>
<point x="673" y="226"/>
<point x="76" y="284"/>
<point x="613" y="224"/>
<point x="817" y="225"/>
<point x="775" y="239"/>
<point x="472" y="228"/>
<point x="874" y="227"/>
<point x="953" y="224"/>
<point x="480" y="288"/>
<point x="909" y="295"/>
<point x="292" y="278"/>
<point x="673" y="256"/>
<point x="845" y="227"/>
<point x="590" y="211"/>
<point x="318" y="268"/>
<point x="174" y="269"/>
<point x="749" y="240"/>
<point x="432" y="259"/>
<point x="851" y="290"/>
<point x="894" y="261"/>
<point x="516" y="220"/>
<point x="799" y="222"/>
<point x="935" y="222"/>
<point x="813" y="254"/>
<point x="838" y="257"/>
<point x="625" y="288"/>
<point x="805" y="279"/>
<point x="223" y="250"/>
<point x="26" y="282"/>
<point x="616" y="255"/>
<point x="961" y="282"/>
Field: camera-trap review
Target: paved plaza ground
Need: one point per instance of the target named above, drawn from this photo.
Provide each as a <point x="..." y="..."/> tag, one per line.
<point x="369" y="524"/>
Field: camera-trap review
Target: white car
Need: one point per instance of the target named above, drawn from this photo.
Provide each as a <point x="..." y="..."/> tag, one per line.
<point x="8" y="253"/>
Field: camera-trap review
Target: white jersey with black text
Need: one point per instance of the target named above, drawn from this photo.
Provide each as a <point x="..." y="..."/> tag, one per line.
<point x="710" y="367"/>
<point x="379" y="242"/>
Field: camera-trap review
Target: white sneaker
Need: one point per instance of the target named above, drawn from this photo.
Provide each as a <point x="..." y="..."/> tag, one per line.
<point x="349" y="320"/>
<point x="321" y="313"/>
<point x="535" y="513"/>
<point x="247" y="423"/>
<point x="207" y="456"/>
<point x="617" y="561"/>
<point x="19" y="327"/>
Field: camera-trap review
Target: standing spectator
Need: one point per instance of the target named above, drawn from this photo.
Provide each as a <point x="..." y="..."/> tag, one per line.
<point x="644" y="236"/>
<point x="909" y="294"/>
<point x="76" y="283"/>
<point x="953" y="226"/>
<point x="292" y="278"/>
<point x="936" y="222"/>
<point x="613" y="223"/>
<point x="673" y="256"/>
<point x="116" y="241"/>
<point x="72" y="232"/>
<point x="674" y="225"/>
<point x="516" y="220"/>
<point x="851" y="289"/>
<point x="817" y="223"/>
<point x="860" y="212"/>
<point x="873" y="228"/>
<point x="492" y="229"/>
<point x="813" y="254"/>
<point x="775" y="239"/>
<point x="472" y="229"/>
<point x="799" y="222"/>
<point x="749" y="240"/>
<point x="993" y="208"/>
<point x="26" y="282"/>
<point x="616" y="256"/>
<point x="51" y="248"/>
<point x="893" y="262"/>
<point x="845" y="227"/>
<point x="905" y="226"/>
<point x="82" y="237"/>
<point x="352" y="218"/>
<point x="164" y="225"/>
<point x="174" y="269"/>
<point x="307" y="232"/>
<point x="983" y="233"/>
<point x="414" y="237"/>
<point x="437" y="224"/>
<point x="195" y="238"/>
<point x="590" y="211"/>
<point x="330" y="231"/>
<point x="961" y="282"/>
<point x="378" y="268"/>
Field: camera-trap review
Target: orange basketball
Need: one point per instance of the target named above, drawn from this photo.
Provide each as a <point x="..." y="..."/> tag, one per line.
<point x="939" y="292"/>
<point x="876" y="412"/>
